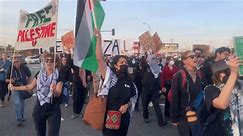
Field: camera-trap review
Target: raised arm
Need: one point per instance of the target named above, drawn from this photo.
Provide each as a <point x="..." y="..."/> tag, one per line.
<point x="223" y="100"/>
<point x="99" y="53"/>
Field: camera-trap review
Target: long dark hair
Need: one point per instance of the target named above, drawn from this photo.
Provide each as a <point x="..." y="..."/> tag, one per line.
<point x="216" y="78"/>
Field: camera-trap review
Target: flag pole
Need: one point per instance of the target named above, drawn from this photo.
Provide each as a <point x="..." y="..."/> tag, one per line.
<point x="11" y="73"/>
<point x="11" y="70"/>
<point x="93" y="13"/>
<point x="56" y="38"/>
<point x="54" y="67"/>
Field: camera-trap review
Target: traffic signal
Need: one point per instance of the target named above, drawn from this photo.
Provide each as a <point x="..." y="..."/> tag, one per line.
<point x="112" y="32"/>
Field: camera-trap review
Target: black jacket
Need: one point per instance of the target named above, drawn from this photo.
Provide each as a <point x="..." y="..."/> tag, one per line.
<point x="180" y="96"/>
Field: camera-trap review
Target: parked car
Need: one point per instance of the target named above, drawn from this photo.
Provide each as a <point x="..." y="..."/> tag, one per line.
<point x="22" y="59"/>
<point x="32" y="60"/>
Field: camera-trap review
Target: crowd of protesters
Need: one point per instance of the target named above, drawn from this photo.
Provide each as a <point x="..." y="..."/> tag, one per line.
<point x="188" y="84"/>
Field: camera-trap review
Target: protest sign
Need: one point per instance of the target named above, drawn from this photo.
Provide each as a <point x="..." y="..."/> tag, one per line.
<point x="68" y="41"/>
<point x="238" y="44"/>
<point x="157" y="42"/>
<point x="38" y="29"/>
<point x="147" y="42"/>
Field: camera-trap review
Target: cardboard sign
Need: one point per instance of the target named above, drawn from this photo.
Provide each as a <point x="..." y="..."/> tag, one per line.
<point x="68" y="41"/>
<point x="147" y="42"/>
<point x="157" y="42"/>
<point x="238" y="44"/>
<point x="38" y="29"/>
<point x="111" y="47"/>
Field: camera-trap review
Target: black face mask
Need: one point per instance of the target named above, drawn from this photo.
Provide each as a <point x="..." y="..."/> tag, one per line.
<point x="123" y="69"/>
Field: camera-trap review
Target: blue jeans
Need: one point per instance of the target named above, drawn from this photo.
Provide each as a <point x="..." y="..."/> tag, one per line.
<point x="19" y="105"/>
<point x="66" y="90"/>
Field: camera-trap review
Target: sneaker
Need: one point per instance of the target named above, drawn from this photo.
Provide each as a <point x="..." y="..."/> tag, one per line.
<point x="74" y="116"/>
<point x="2" y="104"/>
<point x="23" y="120"/>
<point x="66" y="105"/>
<point x="62" y="119"/>
<point x="151" y="104"/>
<point x="146" y="120"/>
<point x="163" y="124"/>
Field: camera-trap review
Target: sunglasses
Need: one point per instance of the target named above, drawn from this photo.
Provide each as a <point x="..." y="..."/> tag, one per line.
<point x="49" y="60"/>
<point x="191" y="56"/>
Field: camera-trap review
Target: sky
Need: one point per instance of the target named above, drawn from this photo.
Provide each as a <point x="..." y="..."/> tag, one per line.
<point x="187" y="22"/>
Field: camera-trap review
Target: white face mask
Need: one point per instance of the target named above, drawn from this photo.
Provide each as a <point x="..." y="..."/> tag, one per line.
<point x="172" y="62"/>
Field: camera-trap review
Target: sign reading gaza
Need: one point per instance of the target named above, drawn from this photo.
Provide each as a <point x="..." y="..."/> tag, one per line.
<point x="37" y="30"/>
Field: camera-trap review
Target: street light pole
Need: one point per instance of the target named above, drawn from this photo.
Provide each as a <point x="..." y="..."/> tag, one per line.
<point x="112" y="31"/>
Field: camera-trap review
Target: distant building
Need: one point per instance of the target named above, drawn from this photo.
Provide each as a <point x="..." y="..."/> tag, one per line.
<point x="170" y="49"/>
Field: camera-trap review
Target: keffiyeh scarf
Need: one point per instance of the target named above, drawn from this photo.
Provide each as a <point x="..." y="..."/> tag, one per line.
<point x="43" y="85"/>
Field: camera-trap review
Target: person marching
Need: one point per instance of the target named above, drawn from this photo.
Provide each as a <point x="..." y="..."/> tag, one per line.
<point x="5" y="64"/>
<point x="21" y="75"/>
<point x="221" y="102"/>
<point x="120" y="90"/>
<point x="166" y="80"/>
<point x="49" y="97"/>
<point x="184" y="95"/>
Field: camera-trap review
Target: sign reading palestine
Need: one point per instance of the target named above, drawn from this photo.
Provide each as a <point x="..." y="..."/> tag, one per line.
<point x="38" y="29"/>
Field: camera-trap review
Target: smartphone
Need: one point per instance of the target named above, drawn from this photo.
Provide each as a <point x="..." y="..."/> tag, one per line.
<point x="219" y="66"/>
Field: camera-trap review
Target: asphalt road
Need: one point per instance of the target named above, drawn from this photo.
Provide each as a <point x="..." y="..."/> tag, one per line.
<point x="75" y="127"/>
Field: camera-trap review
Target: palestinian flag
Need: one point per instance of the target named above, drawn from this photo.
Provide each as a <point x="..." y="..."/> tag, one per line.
<point x="85" y="42"/>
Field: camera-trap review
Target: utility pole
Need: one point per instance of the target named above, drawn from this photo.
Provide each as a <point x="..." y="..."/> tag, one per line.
<point x="149" y="27"/>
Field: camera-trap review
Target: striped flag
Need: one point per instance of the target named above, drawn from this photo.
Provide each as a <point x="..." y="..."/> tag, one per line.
<point x="85" y="42"/>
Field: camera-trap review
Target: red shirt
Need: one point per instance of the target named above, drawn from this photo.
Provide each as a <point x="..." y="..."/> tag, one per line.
<point x="167" y="74"/>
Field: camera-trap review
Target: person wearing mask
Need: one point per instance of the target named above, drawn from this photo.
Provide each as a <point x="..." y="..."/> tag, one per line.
<point x="184" y="96"/>
<point x="121" y="92"/>
<point x="5" y="64"/>
<point x="21" y="75"/>
<point x="221" y="102"/>
<point x="65" y="71"/>
<point x="166" y="80"/>
<point x="151" y="92"/>
<point x="49" y="97"/>
<point x="220" y="53"/>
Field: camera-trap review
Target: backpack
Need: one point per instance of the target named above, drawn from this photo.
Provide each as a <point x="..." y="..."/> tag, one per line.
<point x="198" y="103"/>
<point x="183" y="77"/>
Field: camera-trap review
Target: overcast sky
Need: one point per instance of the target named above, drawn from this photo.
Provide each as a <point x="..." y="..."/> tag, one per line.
<point x="184" y="21"/>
